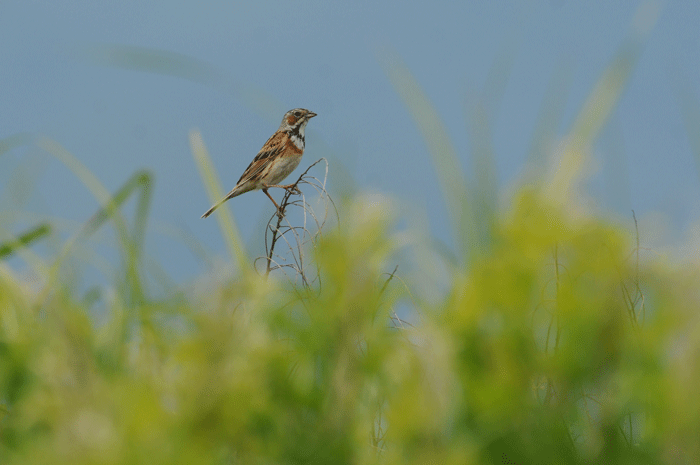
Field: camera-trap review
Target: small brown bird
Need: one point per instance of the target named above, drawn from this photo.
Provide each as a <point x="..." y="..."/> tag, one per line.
<point x="276" y="160"/>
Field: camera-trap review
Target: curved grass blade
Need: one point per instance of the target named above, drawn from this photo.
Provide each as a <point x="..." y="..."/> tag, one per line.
<point x="140" y="183"/>
<point x="447" y="165"/>
<point x="232" y="236"/>
<point x="15" y="140"/>
<point x="168" y="63"/>
<point x="130" y="247"/>
<point x="23" y="240"/>
<point x="550" y="115"/>
<point x="567" y="170"/>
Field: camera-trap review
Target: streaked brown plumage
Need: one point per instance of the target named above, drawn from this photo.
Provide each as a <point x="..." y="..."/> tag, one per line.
<point x="279" y="156"/>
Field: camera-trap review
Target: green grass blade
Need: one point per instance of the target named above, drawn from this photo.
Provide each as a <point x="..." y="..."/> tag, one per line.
<point x="232" y="236"/>
<point x="550" y="116"/>
<point x="129" y="247"/>
<point x="23" y="240"/>
<point x="140" y="182"/>
<point x="15" y="140"/>
<point x="567" y="170"/>
<point x="447" y="165"/>
<point x="168" y="63"/>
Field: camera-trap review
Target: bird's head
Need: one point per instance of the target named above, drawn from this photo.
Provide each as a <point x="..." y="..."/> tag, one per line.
<point x="295" y="120"/>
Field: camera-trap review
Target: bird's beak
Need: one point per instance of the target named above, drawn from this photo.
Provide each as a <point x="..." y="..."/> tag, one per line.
<point x="310" y="114"/>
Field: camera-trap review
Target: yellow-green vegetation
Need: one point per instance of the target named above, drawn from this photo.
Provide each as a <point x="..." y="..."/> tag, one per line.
<point x="557" y="346"/>
<point x="550" y="336"/>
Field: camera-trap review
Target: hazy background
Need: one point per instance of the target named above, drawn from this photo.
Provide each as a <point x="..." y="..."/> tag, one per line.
<point x="60" y="79"/>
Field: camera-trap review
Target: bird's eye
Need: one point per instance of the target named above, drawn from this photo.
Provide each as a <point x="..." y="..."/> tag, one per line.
<point x="297" y="114"/>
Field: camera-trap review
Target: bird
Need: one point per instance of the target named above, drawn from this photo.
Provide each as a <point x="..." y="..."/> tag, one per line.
<point x="280" y="155"/>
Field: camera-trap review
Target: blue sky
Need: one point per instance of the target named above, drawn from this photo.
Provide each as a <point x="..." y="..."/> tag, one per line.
<point x="327" y="56"/>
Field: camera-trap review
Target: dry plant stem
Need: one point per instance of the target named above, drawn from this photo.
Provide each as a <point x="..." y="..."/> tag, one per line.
<point x="280" y="216"/>
<point x="391" y="276"/>
<point x="297" y="237"/>
<point x="290" y="189"/>
<point x="398" y="322"/>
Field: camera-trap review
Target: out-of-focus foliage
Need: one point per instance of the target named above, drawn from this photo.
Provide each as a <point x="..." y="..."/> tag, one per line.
<point x="557" y="347"/>
<point x="551" y="338"/>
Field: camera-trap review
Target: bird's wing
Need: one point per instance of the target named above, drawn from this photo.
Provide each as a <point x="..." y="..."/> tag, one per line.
<point x="273" y="147"/>
<point x="267" y="154"/>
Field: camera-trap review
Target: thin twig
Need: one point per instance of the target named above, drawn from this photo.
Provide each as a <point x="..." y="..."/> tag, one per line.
<point x="300" y="235"/>
<point x="391" y="276"/>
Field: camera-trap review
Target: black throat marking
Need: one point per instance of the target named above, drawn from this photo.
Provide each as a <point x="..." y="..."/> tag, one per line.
<point x="295" y="133"/>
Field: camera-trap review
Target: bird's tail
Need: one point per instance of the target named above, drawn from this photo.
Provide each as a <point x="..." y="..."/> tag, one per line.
<point x="234" y="192"/>
<point x="211" y="210"/>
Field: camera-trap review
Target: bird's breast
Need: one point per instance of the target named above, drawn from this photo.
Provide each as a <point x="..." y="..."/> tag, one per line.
<point x="284" y="166"/>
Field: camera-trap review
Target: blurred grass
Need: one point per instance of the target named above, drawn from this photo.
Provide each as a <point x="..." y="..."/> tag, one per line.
<point x="455" y="189"/>
<point x="561" y="342"/>
<point x="18" y="243"/>
<point x="130" y="243"/>
<point x="168" y="63"/>
<point x="10" y="142"/>
<point x="232" y="236"/>
<point x="535" y="355"/>
<point x="25" y="239"/>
